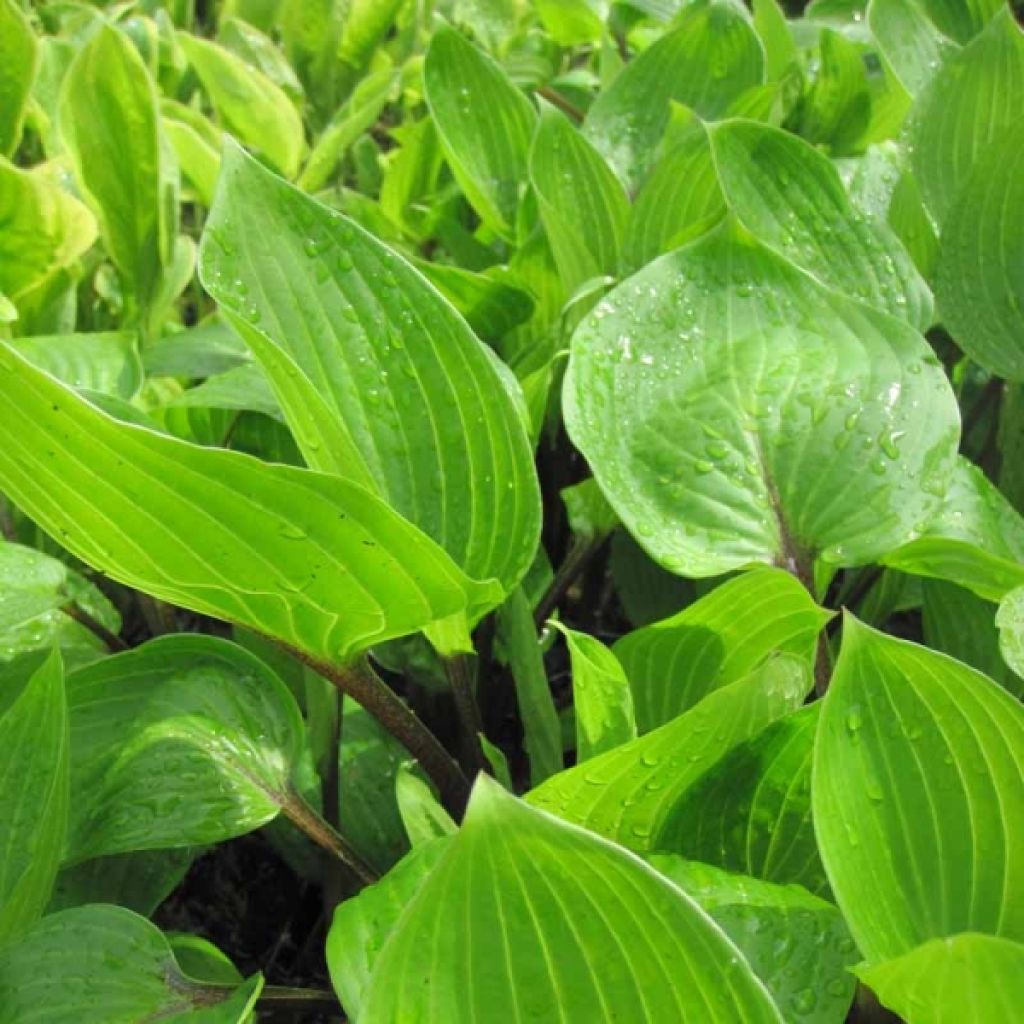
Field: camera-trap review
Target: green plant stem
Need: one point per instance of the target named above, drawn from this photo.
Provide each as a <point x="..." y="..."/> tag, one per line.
<point x="366" y="688"/>
<point x="307" y="820"/>
<point x="460" y="678"/>
<point x="575" y="561"/>
<point x="111" y="640"/>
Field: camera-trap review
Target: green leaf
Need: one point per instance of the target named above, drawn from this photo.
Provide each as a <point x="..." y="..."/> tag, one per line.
<point x="962" y="625"/>
<point x="311" y="559"/>
<point x="422" y="814"/>
<point x="484" y="123"/>
<point x="917" y="796"/>
<point x="1010" y="623"/>
<point x="790" y="196"/>
<point x="110" y="124"/>
<point x="369" y="815"/>
<point x="776" y="419"/>
<point x="705" y="62"/>
<point x="751" y="812"/>
<point x="259" y="51"/>
<point x="198" y="156"/>
<point x="106" y="965"/>
<point x="646" y="591"/>
<point x="34" y="797"/>
<point x="968" y="106"/>
<point x="962" y="19"/>
<point x="572" y="22"/>
<point x="363" y="924"/>
<point x="591" y="518"/>
<point x="34" y="590"/>
<point x="542" y="732"/>
<point x="836" y="109"/>
<point x="975" y="541"/>
<point x="581" y="202"/>
<point x="601" y="696"/>
<point x="355" y="116"/>
<point x="19" y="57"/>
<point x="140" y="880"/>
<point x="647" y="953"/>
<point x="796" y="943"/>
<point x="967" y="978"/>
<point x="250" y="104"/>
<point x="673" y="664"/>
<point x="628" y="794"/>
<point x="913" y="47"/>
<point x="181" y="742"/>
<point x="680" y="198"/>
<point x="45" y="231"/>
<point x="978" y="287"/>
<point x="379" y="377"/>
<point x="106" y="361"/>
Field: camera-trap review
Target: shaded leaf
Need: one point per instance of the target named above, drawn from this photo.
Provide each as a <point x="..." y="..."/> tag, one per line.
<point x="628" y="794"/>
<point x="673" y="664"/>
<point x="33" y="798"/>
<point x="19" y="57"/>
<point x="918" y="796"/>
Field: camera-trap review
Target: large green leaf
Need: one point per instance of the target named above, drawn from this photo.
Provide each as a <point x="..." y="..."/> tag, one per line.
<point x="485" y="125"/>
<point x="478" y="939"/>
<point x="581" y="202"/>
<point x="759" y="417"/>
<point x="705" y="62"/>
<point x="110" y="124"/>
<point x="796" y="943"/>
<point x="33" y="797"/>
<point x="790" y="196"/>
<point x="979" y="287"/>
<point x="976" y="540"/>
<point x="918" y="796"/>
<point x="970" y="102"/>
<point x="45" y="230"/>
<point x="181" y="742"/>
<point x="19" y="58"/>
<point x="628" y="794"/>
<point x="106" y="965"/>
<point x="968" y="978"/>
<point x="752" y="811"/>
<point x="251" y="106"/>
<point x="381" y="380"/>
<point x="674" y="663"/>
<point x="311" y="559"/>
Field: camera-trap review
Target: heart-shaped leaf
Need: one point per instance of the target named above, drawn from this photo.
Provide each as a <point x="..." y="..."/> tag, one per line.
<point x="759" y="416"/>
<point x="918" y="796"/>
<point x="630" y="944"/>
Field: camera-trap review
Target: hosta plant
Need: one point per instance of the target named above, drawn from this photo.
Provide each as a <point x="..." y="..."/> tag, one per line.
<point x="511" y="511"/>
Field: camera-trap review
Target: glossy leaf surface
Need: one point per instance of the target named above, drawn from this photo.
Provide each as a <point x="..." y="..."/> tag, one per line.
<point x="918" y="796"/>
